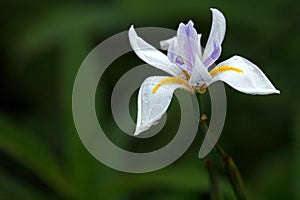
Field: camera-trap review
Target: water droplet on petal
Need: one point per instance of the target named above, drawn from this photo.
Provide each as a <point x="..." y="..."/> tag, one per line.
<point x="155" y="110"/>
<point x="251" y="68"/>
<point x="145" y="98"/>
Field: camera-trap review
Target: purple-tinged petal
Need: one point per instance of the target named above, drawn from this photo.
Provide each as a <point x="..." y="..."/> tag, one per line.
<point x="188" y="45"/>
<point x="212" y="49"/>
<point x="214" y="55"/>
<point x="172" y="51"/>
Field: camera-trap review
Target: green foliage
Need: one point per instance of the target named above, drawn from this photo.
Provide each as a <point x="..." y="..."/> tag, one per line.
<point x="42" y="46"/>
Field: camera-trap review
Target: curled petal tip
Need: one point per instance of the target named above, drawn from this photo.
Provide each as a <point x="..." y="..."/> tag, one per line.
<point x="131" y="32"/>
<point x="214" y="10"/>
<point x="140" y="129"/>
<point x="136" y="133"/>
<point x="131" y="27"/>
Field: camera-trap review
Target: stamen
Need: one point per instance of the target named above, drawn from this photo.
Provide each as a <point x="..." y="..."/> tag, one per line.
<point x="183" y="64"/>
<point x="171" y="80"/>
<point x="202" y="89"/>
<point x="224" y="68"/>
<point x="179" y="60"/>
<point x="187" y="75"/>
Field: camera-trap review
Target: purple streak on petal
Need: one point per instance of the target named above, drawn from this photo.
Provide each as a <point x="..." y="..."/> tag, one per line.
<point x="216" y="52"/>
<point x="207" y="62"/>
<point x="214" y="55"/>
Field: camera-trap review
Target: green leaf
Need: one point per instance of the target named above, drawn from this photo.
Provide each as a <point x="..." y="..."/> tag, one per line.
<point x="12" y="188"/>
<point x="29" y="150"/>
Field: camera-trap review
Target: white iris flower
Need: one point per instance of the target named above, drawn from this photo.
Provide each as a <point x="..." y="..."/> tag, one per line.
<point x="191" y="69"/>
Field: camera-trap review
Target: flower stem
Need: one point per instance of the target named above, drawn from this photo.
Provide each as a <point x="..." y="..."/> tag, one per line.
<point x="235" y="178"/>
<point x="201" y="106"/>
<point x="215" y="193"/>
<point x="232" y="171"/>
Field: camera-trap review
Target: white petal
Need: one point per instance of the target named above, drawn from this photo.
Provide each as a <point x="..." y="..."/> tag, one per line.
<point x="151" y="55"/>
<point x="199" y="47"/>
<point x="251" y="80"/>
<point x="199" y="74"/>
<point x="164" y="44"/>
<point x="173" y="50"/>
<point x="213" y="46"/>
<point x="151" y="107"/>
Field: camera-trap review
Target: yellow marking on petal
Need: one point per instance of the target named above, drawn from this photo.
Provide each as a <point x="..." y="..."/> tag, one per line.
<point x="224" y="68"/>
<point x="187" y="74"/>
<point x="171" y="80"/>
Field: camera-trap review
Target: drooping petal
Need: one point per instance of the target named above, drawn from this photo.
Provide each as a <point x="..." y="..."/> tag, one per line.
<point x="243" y="76"/>
<point x="188" y="46"/>
<point x="154" y="97"/>
<point x="152" y="56"/>
<point x="213" y="46"/>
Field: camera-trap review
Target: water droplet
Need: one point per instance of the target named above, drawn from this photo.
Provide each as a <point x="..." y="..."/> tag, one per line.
<point x="145" y="98"/>
<point x="197" y="86"/>
<point x="143" y="121"/>
<point x="179" y="60"/>
<point x="155" y="110"/>
<point x="251" y="68"/>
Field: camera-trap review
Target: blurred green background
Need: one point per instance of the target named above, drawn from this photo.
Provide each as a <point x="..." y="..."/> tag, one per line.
<point x="42" y="46"/>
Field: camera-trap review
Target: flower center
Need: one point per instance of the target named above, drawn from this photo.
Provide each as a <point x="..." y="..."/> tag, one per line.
<point x="172" y="80"/>
<point x="181" y="81"/>
<point x="224" y="68"/>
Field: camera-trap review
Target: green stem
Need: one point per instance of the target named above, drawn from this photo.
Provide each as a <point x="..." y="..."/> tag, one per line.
<point x="200" y="104"/>
<point x="235" y="178"/>
<point x="232" y="171"/>
<point x="215" y="193"/>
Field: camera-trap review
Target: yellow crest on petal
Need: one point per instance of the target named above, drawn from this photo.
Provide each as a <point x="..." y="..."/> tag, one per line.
<point x="224" y="68"/>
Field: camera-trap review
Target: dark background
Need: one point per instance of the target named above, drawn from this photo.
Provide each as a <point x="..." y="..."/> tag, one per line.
<point x="42" y="45"/>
